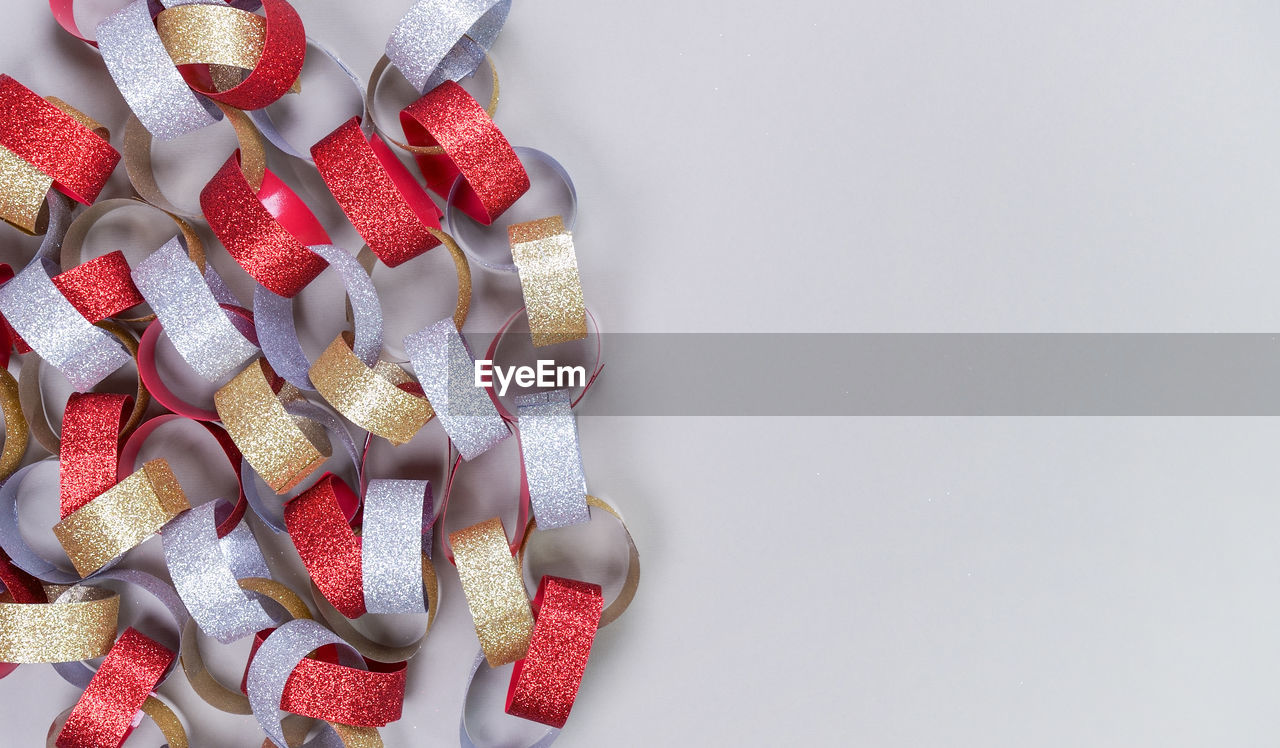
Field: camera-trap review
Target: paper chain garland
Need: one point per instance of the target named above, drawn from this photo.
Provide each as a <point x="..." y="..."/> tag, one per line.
<point x="182" y="65"/>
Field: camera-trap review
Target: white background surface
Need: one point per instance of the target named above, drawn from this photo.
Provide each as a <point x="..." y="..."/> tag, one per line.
<point x="817" y="166"/>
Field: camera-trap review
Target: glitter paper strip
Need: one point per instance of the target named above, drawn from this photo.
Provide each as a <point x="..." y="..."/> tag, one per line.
<point x="372" y="398"/>
<point x="198" y="328"/>
<point x="474" y="148"/>
<point x="23" y="189"/>
<point x="395" y="535"/>
<point x="283" y="51"/>
<point x="78" y="159"/>
<point x="374" y="650"/>
<point x="464" y="735"/>
<point x="199" y="34"/>
<point x="146" y="77"/>
<point x="328" y="548"/>
<point x="494" y="591"/>
<point x="104" y="714"/>
<point x="12" y="541"/>
<point x="254" y="415"/>
<point x="548" y="267"/>
<point x="262" y="117"/>
<point x="202" y="573"/>
<point x="80" y="627"/>
<point x="90" y="449"/>
<point x="446" y="369"/>
<point x="552" y="458"/>
<point x="279" y="338"/>
<point x="545" y="683"/>
<point x="99" y="288"/>
<point x="377" y="193"/>
<point x="273" y="253"/>
<point x="16" y="432"/>
<point x="439" y="40"/>
<point x="57" y="332"/>
<point x="133" y="510"/>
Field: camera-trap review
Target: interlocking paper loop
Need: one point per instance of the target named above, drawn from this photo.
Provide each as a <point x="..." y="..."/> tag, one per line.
<point x="552" y="459"/>
<point x="439" y="40"/>
<point x="446" y="370"/>
<point x="494" y="590"/>
<point x="543" y="252"/>
<point x="545" y="683"/>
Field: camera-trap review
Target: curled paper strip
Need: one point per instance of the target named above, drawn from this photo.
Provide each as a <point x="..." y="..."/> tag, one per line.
<point x="395" y="533"/>
<point x="254" y="415"/>
<point x="130" y="512"/>
<point x="262" y="117"/>
<point x="198" y="328"/>
<point x="543" y="251"/>
<point x="279" y="338"/>
<point x="377" y="193"/>
<point x="79" y="627"/>
<point x="632" y="582"/>
<point x="446" y="369"/>
<point x="545" y="683"/>
<point x="439" y="40"/>
<point x="57" y="332"/>
<point x="492" y="355"/>
<point x="33" y="399"/>
<point x="317" y="521"/>
<point x="552" y="459"/>
<point x="146" y="77"/>
<point x="15" y="545"/>
<point x="99" y="288"/>
<point x="23" y="189"/>
<point x="494" y="590"/>
<point x="206" y="572"/>
<point x="133" y="447"/>
<point x="280" y="656"/>
<point x="163" y="715"/>
<point x="149" y="371"/>
<point x="90" y="451"/>
<point x="16" y="431"/>
<point x="368" y="647"/>
<point x="59" y="145"/>
<point x="104" y="714"/>
<point x="371" y="92"/>
<point x="377" y="399"/>
<point x="474" y="149"/>
<point x="272" y="248"/>
<point x="464" y="734"/>
<point x="80" y="673"/>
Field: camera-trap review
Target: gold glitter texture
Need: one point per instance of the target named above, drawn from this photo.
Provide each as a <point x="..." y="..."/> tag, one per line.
<point x="369" y="648"/>
<point x="268" y="437"/>
<point x="369" y="398"/>
<point x="125" y="515"/>
<point x="16" y="433"/>
<point x="170" y="726"/>
<point x="357" y="737"/>
<point x="544" y="256"/>
<point x="79" y="629"/>
<point x="494" y="590"/>
<point x="23" y="188"/>
<point x="213" y="35"/>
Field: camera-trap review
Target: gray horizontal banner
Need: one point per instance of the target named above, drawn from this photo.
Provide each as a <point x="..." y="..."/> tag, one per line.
<point x="923" y="374"/>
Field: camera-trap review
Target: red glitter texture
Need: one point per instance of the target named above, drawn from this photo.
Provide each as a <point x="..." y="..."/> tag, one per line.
<point x="323" y="689"/>
<point x="545" y="683"/>
<point x="104" y="714"/>
<point x="328" y="548"/>
<point x="387" y="207"/>
<point x="22" y="587"/>
<point x="493" y="177"/>
<point x="90" y="448"/>
<point x="283" y="52"/>
<point x="266" y="233"/>
<point x="54" y="142"/>
<point x="100" y="288"/>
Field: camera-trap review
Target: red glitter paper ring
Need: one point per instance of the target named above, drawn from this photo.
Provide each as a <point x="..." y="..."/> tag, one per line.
<point x="267" y="232"/>
<point x="149" y="370"/>
<point x="474" y="150"/>
<point x="133" y="447"/>
<point x="90" y="451"/>
<point x="284" y="51"/>
<point x="387" y="207"/>
<point x="105" y="711"/>
<point x="32" y="396"/>
<point x="491" y="354"/>
<point x="166" y="716"/>
<point x="322" y="688"/>
<point x="77" y="159"/>
<point x="545" y="683"/>
<point x="318" y="522"/>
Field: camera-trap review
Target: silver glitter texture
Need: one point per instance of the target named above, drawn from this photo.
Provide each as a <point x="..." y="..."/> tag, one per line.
<point x="278" y="336"/>
<point x="397" y="515"/>
<point x="552" y="459"/>
<point x="426" y="47"/>
<point x="276" y="659"/>
<point x="446" y="370"/>
<point x="56" y="331"/>
<point x="145" y="74"/>
<point x="203" y="575"/>
<point x="198" y="328"/>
